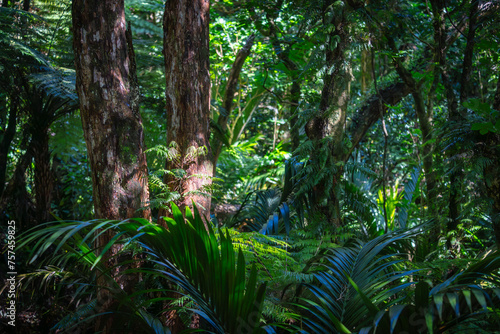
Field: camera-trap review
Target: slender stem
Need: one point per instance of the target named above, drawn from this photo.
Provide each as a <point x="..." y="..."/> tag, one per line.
<point x="386" y="135"/>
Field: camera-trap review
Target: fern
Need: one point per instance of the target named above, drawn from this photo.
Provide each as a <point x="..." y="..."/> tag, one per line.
<point x="167" y="193"/>
<point x="58" y="82"/>
<point x="409" y="190"/>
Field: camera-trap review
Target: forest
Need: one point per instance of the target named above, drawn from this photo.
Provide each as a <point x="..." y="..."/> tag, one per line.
<point x="250" y="166"/>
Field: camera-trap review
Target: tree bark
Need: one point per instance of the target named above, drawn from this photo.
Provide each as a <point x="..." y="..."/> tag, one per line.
<point x="112" y="125"/>
<point x="15" y="197"/>
<point x="43" y="110"/>
<point x="369" y="114"/>
<point x="109" y="109"/>
<point x="44" y="179"/>
<point x="465" y="79"/>
<point x="8" y="136"/>
<point x="331" y="120"/>
<point x="185" y="47"/>
<point x="456" y="115"/>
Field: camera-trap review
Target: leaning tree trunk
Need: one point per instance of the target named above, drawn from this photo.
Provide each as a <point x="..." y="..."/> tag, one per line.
<point x="112" y="125"/>
<point x="185" y="47"/>
<point x="231" y="87"/>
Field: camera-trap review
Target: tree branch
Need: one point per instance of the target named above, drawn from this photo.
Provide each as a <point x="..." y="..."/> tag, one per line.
<point x="232" y="84"/>
<point x="370" y="112"/>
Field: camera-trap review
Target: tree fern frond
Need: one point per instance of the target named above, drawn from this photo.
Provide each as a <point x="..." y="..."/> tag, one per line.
<point x="58" y="82"/>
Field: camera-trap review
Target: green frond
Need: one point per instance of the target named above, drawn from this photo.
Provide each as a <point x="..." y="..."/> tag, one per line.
<point x="58" y="82"/>
<point x="339" y="305"/>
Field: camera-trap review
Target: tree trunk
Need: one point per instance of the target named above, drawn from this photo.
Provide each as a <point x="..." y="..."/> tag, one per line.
<point x="492" y="182"/>
<point x="455" y="115"/>
<point x="370" y="112"/>
<point x="7" y="137"/>
<point x="109" y="109"/>
<point x="112" y="125"/>
<point x="332" y="116"/>
<point x="15" y="197"/>
<point x="185" y="47"/>
<point x="425" y="123"/>
<point x="465" y="79"/>
<point x="43" y="175"/>
<point x="492" y="172"/>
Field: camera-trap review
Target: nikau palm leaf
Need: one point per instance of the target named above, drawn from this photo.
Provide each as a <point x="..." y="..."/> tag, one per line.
<point x="207" y="269"/>
<point x="351" y="275"/>
<point x="441" y="308"/>
<point x="189" y="256"/>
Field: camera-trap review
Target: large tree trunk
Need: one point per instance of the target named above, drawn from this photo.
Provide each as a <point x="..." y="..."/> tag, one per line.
<point x="109" y="109"/>
<point x="332" y="116"/>
<point x="105" y="82"/>
<point x="185" y="46"/>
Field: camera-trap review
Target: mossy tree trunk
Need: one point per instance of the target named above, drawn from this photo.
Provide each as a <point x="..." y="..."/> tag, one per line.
<point x="105" y="69"/>
<point x="112" y="125"/>
<point x="326" y="130"/>
<point x="185" y="47"/>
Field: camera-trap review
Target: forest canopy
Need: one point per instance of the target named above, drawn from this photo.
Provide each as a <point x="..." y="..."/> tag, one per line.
<point x="277" y="166"/>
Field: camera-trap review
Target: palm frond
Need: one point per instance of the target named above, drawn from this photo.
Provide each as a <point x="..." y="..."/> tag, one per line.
<point x="203" y="264"/>
<point x="348" y="275"/>
<point x="469" y="293"/>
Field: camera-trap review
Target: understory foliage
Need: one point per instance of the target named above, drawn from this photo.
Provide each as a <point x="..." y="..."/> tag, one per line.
<point x="247" y="282"/>
<point x="355" y="189"/>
